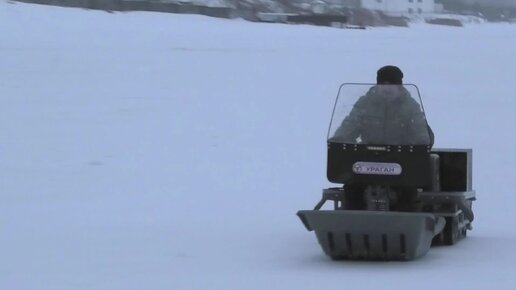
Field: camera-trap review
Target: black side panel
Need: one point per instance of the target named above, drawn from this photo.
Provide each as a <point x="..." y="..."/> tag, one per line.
<point x="455" y="169"/>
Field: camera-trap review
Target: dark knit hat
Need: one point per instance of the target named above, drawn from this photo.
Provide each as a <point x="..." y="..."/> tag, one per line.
<point x="389" y="74"/>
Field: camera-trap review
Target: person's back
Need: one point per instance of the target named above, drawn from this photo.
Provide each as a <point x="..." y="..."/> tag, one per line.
<point x="386" y="114"/>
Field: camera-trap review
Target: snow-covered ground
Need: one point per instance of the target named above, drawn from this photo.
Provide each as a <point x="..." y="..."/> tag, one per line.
<point x="160" y="151"/>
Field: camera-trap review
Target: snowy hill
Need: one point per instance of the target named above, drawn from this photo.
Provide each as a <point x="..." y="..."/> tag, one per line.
<point x="161" y="151"/>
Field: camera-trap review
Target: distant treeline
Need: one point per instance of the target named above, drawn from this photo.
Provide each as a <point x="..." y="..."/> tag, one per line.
<point x="488" y="10"/>
<point x="140" y="5"/>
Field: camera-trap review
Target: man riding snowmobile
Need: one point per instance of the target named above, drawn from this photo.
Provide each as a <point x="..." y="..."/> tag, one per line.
<point x="387" y="114"/>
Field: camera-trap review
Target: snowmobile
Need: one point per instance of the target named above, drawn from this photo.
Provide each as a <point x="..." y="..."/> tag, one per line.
<point x="381" y="227"/>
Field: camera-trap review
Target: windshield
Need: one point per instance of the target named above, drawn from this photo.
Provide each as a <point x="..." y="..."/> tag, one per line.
<point x="379" y="115"/>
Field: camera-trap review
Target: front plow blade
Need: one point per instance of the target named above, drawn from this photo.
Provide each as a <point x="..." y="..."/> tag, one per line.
<point x="372" y="235"/>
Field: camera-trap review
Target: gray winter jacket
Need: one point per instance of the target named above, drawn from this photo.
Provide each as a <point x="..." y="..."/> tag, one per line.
<point x="377" y="119"/>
